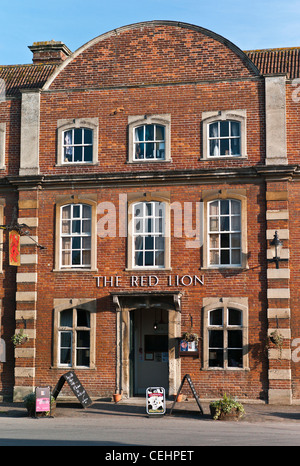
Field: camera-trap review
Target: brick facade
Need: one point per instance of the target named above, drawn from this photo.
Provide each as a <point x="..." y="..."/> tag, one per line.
<point x="185" y="76"/>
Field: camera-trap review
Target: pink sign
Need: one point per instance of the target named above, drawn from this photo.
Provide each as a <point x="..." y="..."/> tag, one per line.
<point x="42" y="401"/>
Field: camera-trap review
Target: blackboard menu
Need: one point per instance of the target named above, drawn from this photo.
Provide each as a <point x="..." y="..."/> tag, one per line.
<point x="76" y="387"/>
<point x="188" y="378"/>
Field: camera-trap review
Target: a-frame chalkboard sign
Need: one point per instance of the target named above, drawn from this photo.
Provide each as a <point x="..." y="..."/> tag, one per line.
<point x="75" y="386"/>
<point x="188" y="378"/>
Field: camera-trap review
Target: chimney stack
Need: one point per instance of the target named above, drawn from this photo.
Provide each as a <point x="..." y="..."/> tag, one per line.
<point x="52" y="51"/>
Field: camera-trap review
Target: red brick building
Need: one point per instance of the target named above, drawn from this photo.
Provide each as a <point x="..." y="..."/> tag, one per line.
<point x="151" y="168"/>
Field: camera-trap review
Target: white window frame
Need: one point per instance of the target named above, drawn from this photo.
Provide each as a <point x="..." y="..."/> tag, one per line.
<point x="72" y="146"/>
<point x="219" y="233"/>
<point x="218" y="139"/>
<point x="81" y="235"/>
<point x="210" y="117"/>
<point x="77" y="123"/>
<point x="144" y="120"/>
<point x="155" y="232"/>
<point x="134" y="199"/>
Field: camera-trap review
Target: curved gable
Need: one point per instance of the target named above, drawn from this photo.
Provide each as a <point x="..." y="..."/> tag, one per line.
<point x="152" y="53"/>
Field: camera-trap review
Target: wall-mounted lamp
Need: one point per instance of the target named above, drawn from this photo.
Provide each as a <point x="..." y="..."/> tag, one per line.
<point x="276" y="246"/>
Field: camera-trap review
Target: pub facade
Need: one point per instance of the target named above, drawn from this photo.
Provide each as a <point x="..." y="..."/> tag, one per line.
<point x="148" y="175"/>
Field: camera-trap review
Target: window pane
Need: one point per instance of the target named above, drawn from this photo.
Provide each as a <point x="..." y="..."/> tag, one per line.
<point x="86" y="258"/>
<point x="215" y="338"/>
<point x="77" y="136"/>
<point x="235" y="339"/>
<point x="160" y="133"/>
<point x="76" y="226"/>
<point x="139" y="151"/>
<point x="138" y="210"/>
<point x="66" y="212"/>
<point x="225" y="240"/>
<point x="66" y="227"/>
<point x="214" y="224"/>
<point x="86" y="226"/>
<point x="214" y="208"/>
<point x="83" y="318"/>
<point x="88" y="154"/>
<point x="149" y="258"/>
<point x="235" y="128"/>
<point x="88" y="136"/>
<point x="224" y="207"/>
<point x="75" y="257"/>
<point x="65" y="356"/>
<point x="149" y="133"/>
<point x="235" y="146"/>
<point x="235" y="207"/>
<point x="83" y="357"/>
<point x="235" y="257"/>
<point x="214" y="257"/>
<point x="216" y="317"/>
<point x="76" y="242"/>
<point x="159" y="258"/>
<point x="213" y="130"/>
<point x="234" y="317"/>
<point x="214" y="241"/>
<point x="139" y="133"/>
<point x="225" y="257"/>
<point x="224" y="128"/>
<point x="224" y="223"/>
<point x="76" y="211"/>
<point x="235" y="240"/>
<point x="236" y="223"/>
<point x="66" y="318"/>
<point x="216" y="358"/>
<point x="66" y="258"/>
<point x="235" y="358"/>
<point x="213" y="147"/>
<point x="149" y="242"/>
<point x="150" y="150"/>
<point x="139" y="258"/>
<point x="86" y="242"/>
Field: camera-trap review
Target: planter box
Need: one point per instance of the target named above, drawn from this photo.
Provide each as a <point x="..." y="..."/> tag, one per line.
<point x="233" y="415"/>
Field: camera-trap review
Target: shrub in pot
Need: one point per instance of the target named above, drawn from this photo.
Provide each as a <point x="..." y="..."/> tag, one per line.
<point x="226" y="408"/>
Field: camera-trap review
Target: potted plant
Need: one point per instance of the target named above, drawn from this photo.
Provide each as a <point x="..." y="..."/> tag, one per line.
<point x="226" y="408"/>
<point x="29" y="401"/>
<point x="19" y="338"/>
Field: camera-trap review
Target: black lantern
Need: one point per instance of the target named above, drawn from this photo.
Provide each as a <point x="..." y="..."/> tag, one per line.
<point x="276" y="246"/>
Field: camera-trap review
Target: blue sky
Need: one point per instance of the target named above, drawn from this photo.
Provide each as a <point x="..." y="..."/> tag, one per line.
<point x="252" y="24"/>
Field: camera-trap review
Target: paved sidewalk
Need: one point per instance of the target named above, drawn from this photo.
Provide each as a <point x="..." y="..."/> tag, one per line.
<point x="256" y="412"/>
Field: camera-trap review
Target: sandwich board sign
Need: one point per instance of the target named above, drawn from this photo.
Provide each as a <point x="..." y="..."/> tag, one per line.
<point x="155" y="400"/>
<point x="43" y="401"/>
<point x="76" y="387"/>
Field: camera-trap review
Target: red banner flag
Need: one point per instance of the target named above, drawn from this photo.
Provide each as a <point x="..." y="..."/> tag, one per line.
<point x="14" y="248"/>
